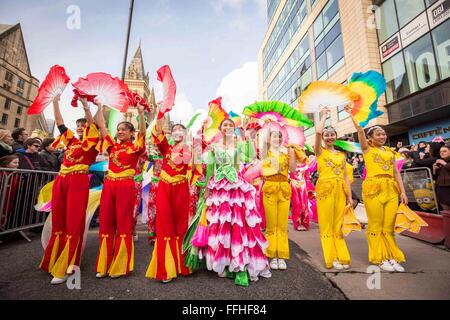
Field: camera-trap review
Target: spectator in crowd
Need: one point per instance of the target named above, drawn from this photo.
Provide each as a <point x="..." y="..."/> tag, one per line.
<point x="30" y="158"/>
<point x="49" y="156"/>
<point x="6" y="142"/>
<point x="10" y="161"/>
<point x="441" y="171"/>
<point x="19" y="135"/>
<point x="422" y="146"/>
<point x="398" y="146"/>
<point x="428" y="157"/>
<point x="408" y="159"/>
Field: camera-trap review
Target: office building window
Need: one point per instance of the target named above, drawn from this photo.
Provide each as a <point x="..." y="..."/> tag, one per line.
<point x="326" y="19"/>
<point x="279" y="40"/>
<point x="408" y="10"/>
<point x="328" y="41"/>
<point x="421" y="64"/>
<point x="271" y="8"/>
<point x="387" y="23"/>
<point x="430" y="2"/>
<point x="7" y="104"/>
<point x="331" y="59"/>
<point x="19" y="110"/>
<point x="396" y="78"/>
<point x="441" y="42"/>
<point x="17" y="123"/>
<point x="4" y="119"/>
<point x="19" y="92"/>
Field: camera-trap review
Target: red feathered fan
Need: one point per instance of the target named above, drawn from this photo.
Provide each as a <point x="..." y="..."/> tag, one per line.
<point x="55" y="82"/>
<point x="134" y="98"/>
<point x="108" y="90"/>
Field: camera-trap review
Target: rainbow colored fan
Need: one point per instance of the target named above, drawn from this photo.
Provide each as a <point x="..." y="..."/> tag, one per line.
<point x="321" y="94"/>
<point x="278" y="112"/>
<point x="368" y="87"/>
<point x="55" y="82"/>
<point x="348" y="146"/>
<point x="107" y="90"/>
<point x="216" y="114"/>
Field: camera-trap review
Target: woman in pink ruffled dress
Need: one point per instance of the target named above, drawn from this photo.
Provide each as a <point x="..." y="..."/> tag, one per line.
<point x="233" y="242"/>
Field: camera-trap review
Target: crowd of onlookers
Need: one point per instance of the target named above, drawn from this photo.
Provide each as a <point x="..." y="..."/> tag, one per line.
<point x="19" y="151"/>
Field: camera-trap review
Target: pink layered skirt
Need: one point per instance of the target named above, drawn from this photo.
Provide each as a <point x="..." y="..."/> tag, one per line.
<point x="234" y="236"/>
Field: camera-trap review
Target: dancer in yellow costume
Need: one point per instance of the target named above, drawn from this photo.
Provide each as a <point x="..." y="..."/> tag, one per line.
<point x="333" y="194"/>
<point x="381" y="189"/>
<point x="277" y="196"/>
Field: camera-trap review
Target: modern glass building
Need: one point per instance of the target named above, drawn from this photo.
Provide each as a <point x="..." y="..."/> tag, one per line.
<point x="414" y="38"/>
<point x="310" y="40"/>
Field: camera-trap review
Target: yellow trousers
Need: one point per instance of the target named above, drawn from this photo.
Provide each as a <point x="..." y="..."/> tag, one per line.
<point x="331" y="201"/>
<point x="380" y="195"/>
<point x="277" y="200"/>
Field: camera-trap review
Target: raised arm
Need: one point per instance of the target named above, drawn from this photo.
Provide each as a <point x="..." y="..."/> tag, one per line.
<point x="159" y="124"/>
<point x="319" y="130"/>
<point x="58" y="117"/>
<point x="292" y="159"/>
<point x="361" y="135"/>
<point x="142" y="126"/>
<point x="87" y="111"/>
<point x="101" y="119"/>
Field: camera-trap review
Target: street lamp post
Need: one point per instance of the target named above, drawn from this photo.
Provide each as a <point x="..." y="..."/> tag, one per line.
<point x="114" y="115"/>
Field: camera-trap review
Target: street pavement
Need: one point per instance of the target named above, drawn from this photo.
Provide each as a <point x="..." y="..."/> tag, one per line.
<point x="427" y="274"/>
<point x="20" y="278"/>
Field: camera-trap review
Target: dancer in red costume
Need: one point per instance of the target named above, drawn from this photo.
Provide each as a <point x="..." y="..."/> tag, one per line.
<point x="70" y="195"/>
<point x="172" y="205"/>
<point x="116" y="252"/>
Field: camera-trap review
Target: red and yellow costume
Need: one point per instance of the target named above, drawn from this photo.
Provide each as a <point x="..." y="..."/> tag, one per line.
<point x="116" y="253"/>
<point x="172" y="211"/>
<point x="70" y="196"/>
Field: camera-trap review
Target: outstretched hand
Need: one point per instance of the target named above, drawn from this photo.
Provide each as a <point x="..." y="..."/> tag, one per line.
<point x="57" y="98"/>
<point x="325" y="112"/>
<point x="140" y="108"/>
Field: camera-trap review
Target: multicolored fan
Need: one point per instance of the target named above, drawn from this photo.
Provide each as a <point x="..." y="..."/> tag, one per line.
<point x="107" y="89"/>
<point x="278" y="112"/>
<point x="193" y="119"/>
<point x="55" y="82"/>
<point x="216" y="114"/>
<point x="368" y="87"/>
<point x="321" y="94"/>
<point x="348" y="146"/>
<point x="236" y="118"/>
<point x="309" y="147"/>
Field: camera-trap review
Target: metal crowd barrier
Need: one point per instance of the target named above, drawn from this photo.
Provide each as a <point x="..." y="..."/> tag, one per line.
<point x="419" y="187"/>
<point x="19" y="191"/>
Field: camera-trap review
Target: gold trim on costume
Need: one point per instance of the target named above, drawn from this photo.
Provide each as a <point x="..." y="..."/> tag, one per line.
<point x="77" y="169"/>
<point x="172" y="179"/>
